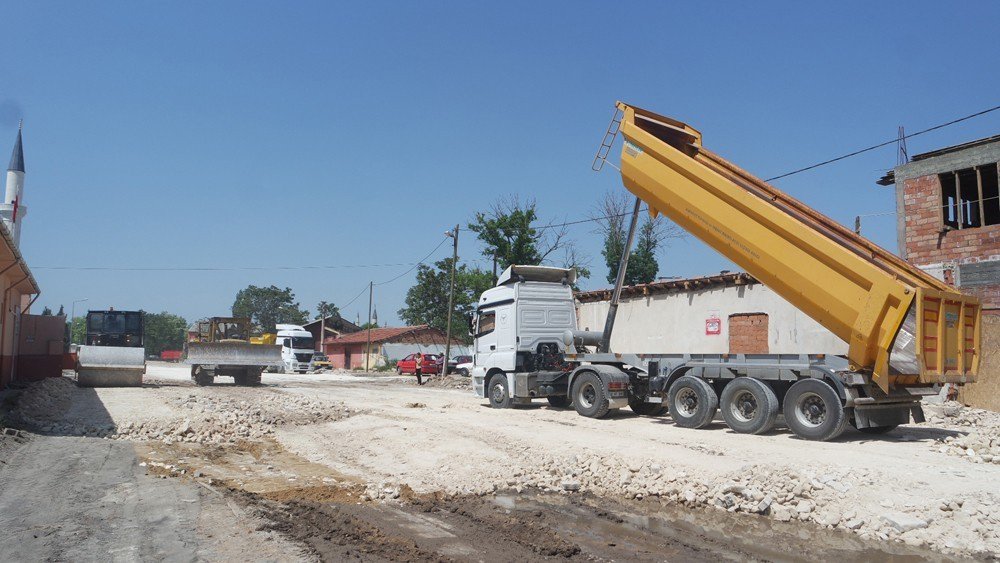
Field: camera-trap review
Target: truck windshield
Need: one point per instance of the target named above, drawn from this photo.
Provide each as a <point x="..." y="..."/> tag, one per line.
<point x="302" y="342"/>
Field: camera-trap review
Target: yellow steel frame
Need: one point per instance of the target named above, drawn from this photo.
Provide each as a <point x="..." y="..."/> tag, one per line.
<point x="857" y="290"/>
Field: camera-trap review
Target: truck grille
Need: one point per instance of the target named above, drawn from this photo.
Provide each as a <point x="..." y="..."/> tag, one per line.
<point x="303" y="358"/>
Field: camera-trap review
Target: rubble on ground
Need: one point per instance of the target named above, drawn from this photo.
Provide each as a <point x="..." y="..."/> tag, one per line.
<point x="977" y="435"/>
<point x="203" y="416"/>
<point x="43" y="402"/>
<point x="447" y="381"/>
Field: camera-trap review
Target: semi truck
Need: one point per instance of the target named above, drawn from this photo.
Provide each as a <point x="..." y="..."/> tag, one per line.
<point x="907" y="332"/>
<point x="297" y="348"/>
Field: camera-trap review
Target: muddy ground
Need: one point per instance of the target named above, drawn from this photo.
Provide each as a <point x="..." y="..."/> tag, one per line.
<point x="337" y="466"/>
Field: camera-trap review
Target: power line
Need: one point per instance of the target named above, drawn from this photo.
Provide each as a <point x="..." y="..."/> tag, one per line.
<point x="422" y="260"/>
<point x="880" y="145"/>
<point x="214" y="269"/>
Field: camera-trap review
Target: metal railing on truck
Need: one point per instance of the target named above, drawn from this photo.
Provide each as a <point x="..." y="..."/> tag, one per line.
<point x="901" y="324"/>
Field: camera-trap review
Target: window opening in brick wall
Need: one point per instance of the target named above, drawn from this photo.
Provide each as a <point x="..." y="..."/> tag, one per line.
<point x="970" y="197"/>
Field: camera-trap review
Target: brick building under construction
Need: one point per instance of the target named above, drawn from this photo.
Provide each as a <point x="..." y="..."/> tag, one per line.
<point x="948" y="216"/>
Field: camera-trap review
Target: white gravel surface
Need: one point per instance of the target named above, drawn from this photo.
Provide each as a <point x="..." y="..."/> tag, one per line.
<point x="918" y="484"/>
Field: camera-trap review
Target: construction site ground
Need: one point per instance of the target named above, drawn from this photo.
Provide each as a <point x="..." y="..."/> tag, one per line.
<point x="352" y="466"/>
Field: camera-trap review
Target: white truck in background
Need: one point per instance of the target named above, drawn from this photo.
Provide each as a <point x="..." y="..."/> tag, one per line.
<point x="297" y="348"/>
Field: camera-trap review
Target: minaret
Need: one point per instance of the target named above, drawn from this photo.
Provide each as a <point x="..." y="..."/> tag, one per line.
<point x="13" y="210"/>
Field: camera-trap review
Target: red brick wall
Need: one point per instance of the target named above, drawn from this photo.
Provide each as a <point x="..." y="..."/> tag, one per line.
<point x="748" y="333"/>
<point x="927" y="244"/>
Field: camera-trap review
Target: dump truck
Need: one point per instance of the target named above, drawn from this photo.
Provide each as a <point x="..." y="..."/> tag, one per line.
<point x="113" y="354"/>
<point x="907" y="332"/>
<point x="221" y="346"/>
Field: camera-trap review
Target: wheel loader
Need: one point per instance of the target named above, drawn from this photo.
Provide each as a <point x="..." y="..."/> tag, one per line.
<point x="113" y="355"/>
<point x="222" y="346"/>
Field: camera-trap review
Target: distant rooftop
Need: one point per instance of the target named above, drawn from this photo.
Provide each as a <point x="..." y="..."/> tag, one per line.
<point x="722" y="279"/>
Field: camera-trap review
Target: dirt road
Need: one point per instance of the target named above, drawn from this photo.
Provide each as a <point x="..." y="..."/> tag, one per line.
<point x="342" y="466"/>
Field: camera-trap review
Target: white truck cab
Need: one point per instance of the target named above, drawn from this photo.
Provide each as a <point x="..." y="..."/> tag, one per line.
<point x="297" y="348"/>
<point x="524" y="328"/>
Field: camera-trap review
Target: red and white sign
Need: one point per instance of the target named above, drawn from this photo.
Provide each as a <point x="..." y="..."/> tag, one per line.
<point x="713" y="325"/>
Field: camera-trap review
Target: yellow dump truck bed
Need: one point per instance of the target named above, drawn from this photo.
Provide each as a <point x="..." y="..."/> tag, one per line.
<point x="901" y="324"/>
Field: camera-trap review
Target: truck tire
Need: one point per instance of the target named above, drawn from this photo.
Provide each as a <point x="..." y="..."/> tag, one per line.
<point x="589" y="396"/>
<point x="692" y="402"/>
<point x="813" y="410"/>
<point x="558" y="401"/>
<point x="643" y="408"/>
<point x="253" y="377"/>
<point x="201" y="376"/>
<point x="749" y="406"/>
<point x="498" y="392"/>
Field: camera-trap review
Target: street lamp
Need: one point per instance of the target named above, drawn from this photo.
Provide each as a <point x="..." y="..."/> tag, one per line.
<point x="72" y="315"/>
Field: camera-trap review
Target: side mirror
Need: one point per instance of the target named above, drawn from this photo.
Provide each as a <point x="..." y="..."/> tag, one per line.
<point x="470" y="319"/>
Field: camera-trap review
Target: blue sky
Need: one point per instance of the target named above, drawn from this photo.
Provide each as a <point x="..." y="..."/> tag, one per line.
<point x="257" y="135"/>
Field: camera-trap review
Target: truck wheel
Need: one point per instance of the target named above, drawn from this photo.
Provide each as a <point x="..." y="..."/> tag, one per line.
<point x="252" y="377"/>
<point x="643" y="408"/>
<point x="498" y="392"/>
<point x="558" y="401"/>
<point x="399" y="370"/>
<point x="201" y="376"/>
<point x="813" y="410"/>
<point x="589" y="396"/>
<point x="692" y="402"/>
<point x="749" y="406"/>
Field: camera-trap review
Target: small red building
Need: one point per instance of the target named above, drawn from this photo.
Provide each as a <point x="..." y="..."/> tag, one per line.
<point x="387" y="344"/>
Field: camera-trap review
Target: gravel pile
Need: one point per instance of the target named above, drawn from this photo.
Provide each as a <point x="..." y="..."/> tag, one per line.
<point x="43" y="402"/>
<point x="979" y="431"/>
<point x="204" y="416"/>
<point x="212" y="419"/>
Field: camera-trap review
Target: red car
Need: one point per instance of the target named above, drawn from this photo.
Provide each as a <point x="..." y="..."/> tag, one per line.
<point x="429" y="365"/>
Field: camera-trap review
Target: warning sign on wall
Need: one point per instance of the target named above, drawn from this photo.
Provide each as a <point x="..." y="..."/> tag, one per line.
<point x="713" y="325"/>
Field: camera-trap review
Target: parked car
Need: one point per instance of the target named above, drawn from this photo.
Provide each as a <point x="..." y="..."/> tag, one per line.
<point x="431" y="365"/>
<point x="321" y="361"/>
<point x="463" y="365"/>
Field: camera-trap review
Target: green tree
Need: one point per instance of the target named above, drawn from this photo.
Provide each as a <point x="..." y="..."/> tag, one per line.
<point x="268" y="306"/>
<point x="427" y="300"/>
<point x="163" y="331"/>
<point x="613" y="215"/>
<point x="78" y="329"/>
<point x="508" y="231"/>
<point x="325" y="309"/>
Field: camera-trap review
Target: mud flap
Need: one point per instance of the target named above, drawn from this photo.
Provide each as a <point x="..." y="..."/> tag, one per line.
<point x="870" y="416"/>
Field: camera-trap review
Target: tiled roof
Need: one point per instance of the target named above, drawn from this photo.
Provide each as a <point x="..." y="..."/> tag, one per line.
<point x="378" y="335"/>
<point x="664" y="286"/>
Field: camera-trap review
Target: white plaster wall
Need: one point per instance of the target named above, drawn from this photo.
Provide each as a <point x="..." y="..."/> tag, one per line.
<point x="675" y="322"/>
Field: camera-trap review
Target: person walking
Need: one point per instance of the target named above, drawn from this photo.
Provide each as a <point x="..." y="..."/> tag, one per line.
<point x="419" y="360"/>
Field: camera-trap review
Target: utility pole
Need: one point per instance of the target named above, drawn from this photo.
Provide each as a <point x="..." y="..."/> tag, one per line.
<point x="451" y="298"/>
<point x="368" y="350"/>
<point x="322" y="326"/>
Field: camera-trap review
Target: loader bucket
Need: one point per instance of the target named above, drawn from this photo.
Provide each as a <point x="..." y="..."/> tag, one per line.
<point x="232" y="354"/>
<point x="110" y="366"/>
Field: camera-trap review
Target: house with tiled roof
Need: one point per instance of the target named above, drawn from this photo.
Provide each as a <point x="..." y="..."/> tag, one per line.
<point x="387" y="344"/>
